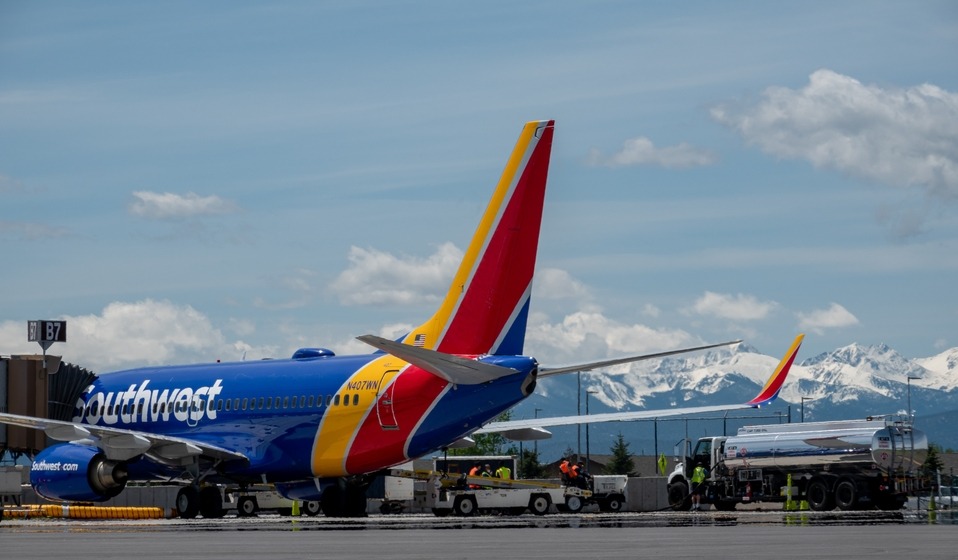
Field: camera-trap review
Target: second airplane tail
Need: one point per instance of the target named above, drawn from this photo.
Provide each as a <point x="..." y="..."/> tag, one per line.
<point x="487" y="305"/>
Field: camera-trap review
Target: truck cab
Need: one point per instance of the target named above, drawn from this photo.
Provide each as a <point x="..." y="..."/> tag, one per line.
<point x="708" y="451"/>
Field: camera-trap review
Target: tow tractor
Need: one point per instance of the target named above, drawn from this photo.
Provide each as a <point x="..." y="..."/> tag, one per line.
<point x="469" y="495"/>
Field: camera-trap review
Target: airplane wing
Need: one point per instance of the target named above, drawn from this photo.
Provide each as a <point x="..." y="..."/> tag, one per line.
<point x="545" y="372"/>
<point x="119" y="444"/>
<point x="454" y="369"/>
<point x="533" y="429"/>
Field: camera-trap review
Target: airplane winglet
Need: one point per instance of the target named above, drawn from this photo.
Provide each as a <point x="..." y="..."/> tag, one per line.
<point x="774" y="384"/>
<point x="454" y="369"/>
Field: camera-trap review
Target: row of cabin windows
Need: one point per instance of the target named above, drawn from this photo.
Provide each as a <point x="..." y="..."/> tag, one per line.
<point x="260" y="403"/>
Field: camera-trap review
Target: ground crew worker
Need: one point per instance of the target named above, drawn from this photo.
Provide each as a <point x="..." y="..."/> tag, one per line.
<point x="504" y="472"/>
<point x="564" y="471"/>
<point x="487" y="472"/>
<point x="698" y="477"/>
<point x="474" y="471"/>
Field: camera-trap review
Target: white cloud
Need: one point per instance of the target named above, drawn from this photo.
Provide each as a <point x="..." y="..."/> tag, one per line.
<point x="590" y="335"/>
<point x="835" y="316"/>
<point x="740" y="307"/>
<point x="899" y="137"/>
<point x="554" y="283"/>
<point x="375" y="277"/>
<point x="641" y="151"/>
<point x="137" y="334"/>
<point x="171" y="206"/>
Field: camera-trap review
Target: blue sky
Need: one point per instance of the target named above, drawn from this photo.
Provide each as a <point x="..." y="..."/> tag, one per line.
<point x="191" y="181"/>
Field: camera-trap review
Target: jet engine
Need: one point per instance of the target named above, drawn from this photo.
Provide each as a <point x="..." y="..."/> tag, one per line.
<point x="74" y="472"/>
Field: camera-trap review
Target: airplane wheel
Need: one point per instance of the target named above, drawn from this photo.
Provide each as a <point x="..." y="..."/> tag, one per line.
<point x="573" y="504"/>
<point x="333" y="502"/>
<point x="312" y="508"/>
<point x="211" y="503"/>
<point x="188" y="502"/>
<point x="246" y="507"/>
<point x="465" y="506"/>
<point x="539" y="504"/>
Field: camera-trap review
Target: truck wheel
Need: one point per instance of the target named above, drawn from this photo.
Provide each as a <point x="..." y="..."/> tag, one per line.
<point x="679" y="496"/>
<point x="539" y="504"/>
<point x="614" y="503"/>
<point x="246" y="506"/>
<point x="573" y="504"/>
<point x="312" y="508"/>
<point x="465" y="506"/>
<point x="819" y="498"/>
<point x="846" y="495"/>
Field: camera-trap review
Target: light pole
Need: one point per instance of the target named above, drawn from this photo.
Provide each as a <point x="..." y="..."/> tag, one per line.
<point x="803" y="406"/>
<point x="910" y="415"/>
<point x="578" y="412"/>
<point x="588" y="458"/>
<point x="535" y="444"/>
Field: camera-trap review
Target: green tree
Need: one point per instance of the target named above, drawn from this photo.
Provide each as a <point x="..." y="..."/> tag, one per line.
<point x="529" y="465"/>
<point x="621" y="462"/>
<point x="933" y="462"/>
<point x="488" y="444"/>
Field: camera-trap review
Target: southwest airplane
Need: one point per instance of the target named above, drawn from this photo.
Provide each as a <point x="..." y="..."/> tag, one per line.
<point x="318" y="426"/>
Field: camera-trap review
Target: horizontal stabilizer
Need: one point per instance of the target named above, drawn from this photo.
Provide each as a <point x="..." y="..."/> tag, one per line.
<point x="545" y="372"/>
<point x="454" y="369"/>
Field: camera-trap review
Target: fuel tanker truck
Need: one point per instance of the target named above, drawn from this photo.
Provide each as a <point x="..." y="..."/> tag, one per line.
<point x="851" y="464"/>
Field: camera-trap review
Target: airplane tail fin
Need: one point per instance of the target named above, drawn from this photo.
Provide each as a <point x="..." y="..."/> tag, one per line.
<point x="487" y="305"/>
<point x="774" y="384"/>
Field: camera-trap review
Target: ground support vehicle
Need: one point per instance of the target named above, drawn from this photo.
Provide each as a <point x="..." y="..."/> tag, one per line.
<point x="445" y="496"/>
<point x="851" y="464"/>
<point x="609" y="491"/>
<point x="251" y="500"/>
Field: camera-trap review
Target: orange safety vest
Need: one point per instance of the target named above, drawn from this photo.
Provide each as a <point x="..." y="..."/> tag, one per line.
<point x="564" y="467"/>
<point x="574" y="471"/>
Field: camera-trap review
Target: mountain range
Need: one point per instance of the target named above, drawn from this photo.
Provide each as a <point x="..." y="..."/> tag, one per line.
<point x="854" y="381"/>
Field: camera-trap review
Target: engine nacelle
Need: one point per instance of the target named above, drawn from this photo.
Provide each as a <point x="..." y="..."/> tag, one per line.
<point x="79" y="473"/>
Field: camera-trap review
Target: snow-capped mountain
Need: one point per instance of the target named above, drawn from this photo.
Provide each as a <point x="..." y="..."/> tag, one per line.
<point x="854" y="381"/>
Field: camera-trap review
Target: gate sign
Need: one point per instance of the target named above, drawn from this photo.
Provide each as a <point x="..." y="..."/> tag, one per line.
<point x="46" y="332"/>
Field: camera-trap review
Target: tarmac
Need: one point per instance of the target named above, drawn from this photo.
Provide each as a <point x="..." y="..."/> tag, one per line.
<point x="740" y="535"/>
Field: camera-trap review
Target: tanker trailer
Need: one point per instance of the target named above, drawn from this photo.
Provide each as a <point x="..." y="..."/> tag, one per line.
<point x="851" y="464"/>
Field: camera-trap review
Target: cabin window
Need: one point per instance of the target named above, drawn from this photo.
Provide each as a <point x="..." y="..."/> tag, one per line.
<point x="329" y="400"/>
<point x="356" y="399"/>
<point x="139" y="408"/>
<point x="336" y="400"/>
<point x="302" y="401"/>
<point x="235" y="403"/>
<point x="156" y="406"/>
<point x="245" y="402"/>
<point x="286" y="402"/>
<point x="212" y="403"/>
<point x="312" y="400"/>
<point x="269" y="404"/>
<point x="261" y="403"/>
<point x="276" y="402"/>
<point x="228" y="405"/>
